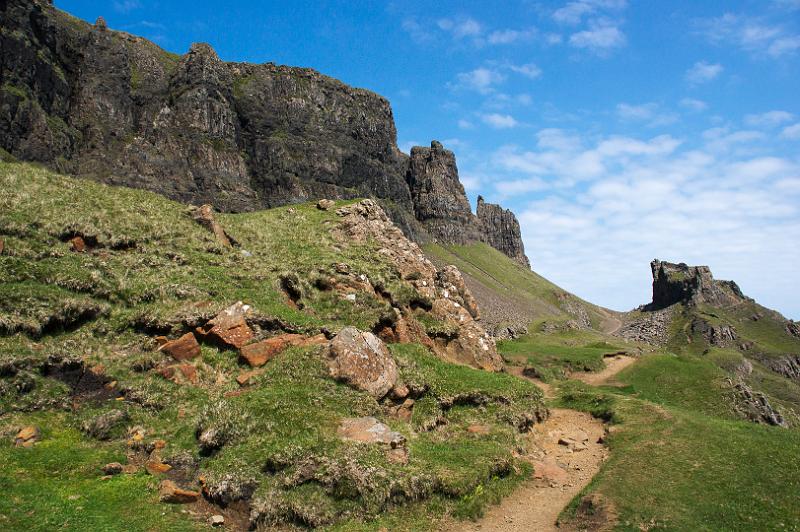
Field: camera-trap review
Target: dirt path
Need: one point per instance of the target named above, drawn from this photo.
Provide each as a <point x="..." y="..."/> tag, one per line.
<point x="610" y="323"/>
<point x="566" y="454"/>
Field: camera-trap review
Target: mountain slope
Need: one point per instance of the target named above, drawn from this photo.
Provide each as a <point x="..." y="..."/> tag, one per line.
<point x="121" y="341"/>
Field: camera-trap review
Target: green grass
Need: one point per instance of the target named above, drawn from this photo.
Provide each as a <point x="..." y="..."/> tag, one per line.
<point x="154" y="270"/>
<point x="677" y="469"/>
<point x="555" y="355"/>
<point x="57" y="485"/>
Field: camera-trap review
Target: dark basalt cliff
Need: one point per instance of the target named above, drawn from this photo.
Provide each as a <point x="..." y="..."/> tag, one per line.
<point x="679" y="283"/>
<point x="114" y="107"/>
<point x="501" y="230"/>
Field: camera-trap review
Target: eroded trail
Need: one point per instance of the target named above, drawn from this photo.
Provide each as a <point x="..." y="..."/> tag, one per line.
<point x="566" y="455"/>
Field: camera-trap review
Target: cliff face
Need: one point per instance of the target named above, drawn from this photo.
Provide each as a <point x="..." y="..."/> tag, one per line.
<point x="107" y="105"/>
<point x="440" y="203"/>
<point x="501" y="230"/>
<point x="679" y="283"/>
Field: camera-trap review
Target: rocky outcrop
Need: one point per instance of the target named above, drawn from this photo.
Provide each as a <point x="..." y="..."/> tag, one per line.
<point x="788" y="366"/>
<point x="755" y="405"/>
<point x="439" y="297"/>
<point x="679" y="283"/>
<point x="86" y="100"/>
<point x="501" y="230"/>
<point x="719" y="335"/>
<point x="440" y="203"/>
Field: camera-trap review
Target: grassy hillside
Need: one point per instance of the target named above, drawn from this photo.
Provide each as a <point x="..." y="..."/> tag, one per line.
<point x="77" y="346"/>
<point x="511" y="290"/>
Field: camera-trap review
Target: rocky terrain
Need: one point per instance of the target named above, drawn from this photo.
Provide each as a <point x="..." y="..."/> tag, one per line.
<point x="89" y="101"/>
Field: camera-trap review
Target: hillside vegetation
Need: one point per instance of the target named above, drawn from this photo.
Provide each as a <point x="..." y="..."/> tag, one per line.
<point x="79" y="360"/>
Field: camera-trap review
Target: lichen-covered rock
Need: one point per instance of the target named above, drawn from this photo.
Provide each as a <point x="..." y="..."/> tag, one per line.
<point x="454" y="287"/>
<point x="361" y="360"/>
<point x="501" y="230"/>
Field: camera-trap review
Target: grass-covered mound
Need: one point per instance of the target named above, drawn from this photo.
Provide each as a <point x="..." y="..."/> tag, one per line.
<point x="79" y="360"/>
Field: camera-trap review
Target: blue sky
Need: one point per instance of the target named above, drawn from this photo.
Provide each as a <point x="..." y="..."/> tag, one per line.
<point x="618" y="131"/>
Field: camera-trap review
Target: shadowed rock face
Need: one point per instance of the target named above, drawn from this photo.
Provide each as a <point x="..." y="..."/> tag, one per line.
<point x="679" y="283"/>
<point x="440" y="202"/>
<point x="86" y="100"/>
<point x="501" y="230"/>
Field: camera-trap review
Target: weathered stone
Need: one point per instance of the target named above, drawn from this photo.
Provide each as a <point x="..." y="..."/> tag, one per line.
<point x="792" y="327"/>
<point x="361" y="360"/>
<point x="102" y="426"/>
<point x="369" y="430"/>
<point x="27" y="436"/>
<point x="156" y="467"/>
<point x="549" y="470"/>
<point x="325" y="204"/>
<point x="216" y="520"/>
<point x="718" y="335"/>
<point x="170" y="492"/>
<point x="184" y="348"/>
<point x="679" y="283"/>
<point x="229" y="328"/>
<point x="259" y="353"/>
<point x="452" y="285"/>
<point x="500" y="229"/>
<point x="77" y="244"/>
<point x="204" y="215"/>
<point x="113" y="468"/>
<point x="189" y="372"/>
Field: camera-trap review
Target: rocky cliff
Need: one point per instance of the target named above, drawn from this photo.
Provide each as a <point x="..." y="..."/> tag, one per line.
<point x="501" y="230"/>
<point x="679" y="283"/>
<point x="89" y="101"/>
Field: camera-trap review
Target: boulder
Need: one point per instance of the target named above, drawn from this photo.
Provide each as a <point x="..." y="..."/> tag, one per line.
<point x="170" y="492"/>
<point x="113" y="468"/>
<point x="229" y="329"/>
<point x="184" y="348"/>
<point x="216" y="520"/>
<point x="27" y="436"/>
<point x="77" y="244"/>
<point x="259" y="353"/>
<point x="362" y="360"/>
<point x="204" y="215"/>
<point x="369" y="430"/>
<point x="102" y="426"/>
<point x="325" y="204"/>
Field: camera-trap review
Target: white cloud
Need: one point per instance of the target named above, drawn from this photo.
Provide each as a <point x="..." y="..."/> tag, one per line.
<point x="499" y="121"/>
<point x="465" y="124"/>
<point x="126" y="6"/>
<point x="647" y="112"/>
<point x="791" y="132"/>
<point x="600" y="38"/>
<point x="768" y="119"/>
<point x="461" y="28"/>
<point x="528" y="70"/>
<point x="573" y="12"/>
<point x="633" y="199"/>
<point x="481" y="79"/>
<point x="418" y="33"/>
<point x="509" y="36"/>
<point x="752" y="34"/>
<point x="703" y="72"/>
<point x="694" y="105"/>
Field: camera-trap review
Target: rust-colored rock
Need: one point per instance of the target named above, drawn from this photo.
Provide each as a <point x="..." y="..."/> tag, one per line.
<point x="157" y="468"/>
<point x="204" y="215"/>
<point x="229" y="328"/>
<point x="170" y="492"/>
<point x="77" y="244"/>
<point x="259" y="353"/>
<point x="167" y="372"/>
<point x="244" y="378"/>
<point x="184" y="348"/>
<point x="362" y="360"/>
<point x="27" y="436"/>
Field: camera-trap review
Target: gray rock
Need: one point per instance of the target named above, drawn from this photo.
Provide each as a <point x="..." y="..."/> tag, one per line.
<point x="361" y="360"/>
<point x="679" y="283"/>
<point x="102" y="426"/>
<point x="501" y="230"/>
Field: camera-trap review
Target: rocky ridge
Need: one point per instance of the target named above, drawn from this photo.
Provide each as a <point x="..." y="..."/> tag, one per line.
<point x="104" y="104"/>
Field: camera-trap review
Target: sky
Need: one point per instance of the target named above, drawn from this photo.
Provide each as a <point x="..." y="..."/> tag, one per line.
<point x="618" y="131"/>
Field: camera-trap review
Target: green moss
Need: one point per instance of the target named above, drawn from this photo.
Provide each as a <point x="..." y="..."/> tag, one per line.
<point x="19" y="92"/>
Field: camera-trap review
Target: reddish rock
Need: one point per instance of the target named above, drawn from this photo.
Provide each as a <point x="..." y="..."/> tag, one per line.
<point x="27" y="436"/>
<point x="157" y="468"/>
<point x="161" y="340"/>
<point x="229" y="328"/>
<point x="167" y="372"/>
<point x="77" y="244"/>
<point x="550" y="471"/>
<point x="189" y="372"/>
<point x="204" y="215"/>
<point x="171" y="493"/>
<point x="184" y="348"/>
<point x="260" y="353"/>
